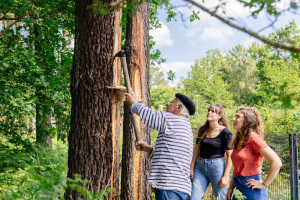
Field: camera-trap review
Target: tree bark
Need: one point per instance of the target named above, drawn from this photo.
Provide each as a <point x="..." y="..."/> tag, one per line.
<point x="135" y="165"/>
<point x="95" y="113"/>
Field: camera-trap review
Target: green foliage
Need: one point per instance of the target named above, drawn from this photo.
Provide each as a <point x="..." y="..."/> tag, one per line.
<point x="171" y="75"/>
<point x="203" y="80"/>
<point x="161" y="95"/>
<point x="238" y="69"/>
<point x="35" y="64"/>
<point x="195" y="16"/>
<point x="269" y="6"/>
<point x="33" y="174"/>
<point x="278" y="71"/>
<point x="171" y="14"/>
<point x="38" y="174"/>
<point x="79" y="185"/>
<point x="238" y="195"/>
<point x="282" y="97"/>
<point x="155" y="55"/>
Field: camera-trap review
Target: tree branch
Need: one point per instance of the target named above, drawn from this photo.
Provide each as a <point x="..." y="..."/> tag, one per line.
<point x="9" y="26"/>
<point x="265" y="40"/>
<point x="58" y="104"/>
<point x="10" y="18"/>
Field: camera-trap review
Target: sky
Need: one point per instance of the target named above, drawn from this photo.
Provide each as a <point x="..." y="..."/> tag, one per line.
<point x="182" y="42"/>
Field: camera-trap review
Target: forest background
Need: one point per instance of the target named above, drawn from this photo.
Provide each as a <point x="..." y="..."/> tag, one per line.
<point x="35" y="64"/>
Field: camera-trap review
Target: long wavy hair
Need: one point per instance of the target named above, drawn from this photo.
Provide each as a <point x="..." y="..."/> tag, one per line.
<point x="252" y="123"/>
<point x="219" y="109"/>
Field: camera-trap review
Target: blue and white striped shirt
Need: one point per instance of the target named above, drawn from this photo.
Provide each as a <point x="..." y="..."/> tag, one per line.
<point x="172" y="155"/>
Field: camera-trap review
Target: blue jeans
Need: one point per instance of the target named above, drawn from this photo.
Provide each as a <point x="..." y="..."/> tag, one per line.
<point x="255" y="194"/>
<point x="170" y="195"/>
<point x="208" y="171"/>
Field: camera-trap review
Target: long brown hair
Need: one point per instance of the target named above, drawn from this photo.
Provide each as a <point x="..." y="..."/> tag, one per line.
<point x="219" y="109"/>
<point x="252" y="123"/>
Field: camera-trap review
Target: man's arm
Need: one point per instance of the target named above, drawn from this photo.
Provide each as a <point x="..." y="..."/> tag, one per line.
<point x="151" y="118"/>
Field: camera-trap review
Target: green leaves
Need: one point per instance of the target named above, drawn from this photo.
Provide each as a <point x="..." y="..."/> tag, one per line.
<point x="171" y="14"/>
<point x="80" y="186"/>
<point x="238" y="195"/>
<point x="171" y="75"/>
<point x="35" y="66"/>
<point x="161" y="95"/>
<point x="103" y="9"/>
<point x="194" y="16"/>
<point x="282" y="96"/>
<point x="203" y="80"/>
<point x="260" y="5"/>
<point x="40" y="174"/>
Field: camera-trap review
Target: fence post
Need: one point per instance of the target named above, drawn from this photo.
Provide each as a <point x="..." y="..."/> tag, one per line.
<point x="294" y="176"/>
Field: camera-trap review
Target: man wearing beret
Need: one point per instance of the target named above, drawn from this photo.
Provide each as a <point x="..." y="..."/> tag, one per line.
<point x="172" y="155"/>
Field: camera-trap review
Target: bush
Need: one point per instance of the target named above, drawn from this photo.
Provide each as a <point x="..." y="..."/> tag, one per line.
<point x="39" y="174"/>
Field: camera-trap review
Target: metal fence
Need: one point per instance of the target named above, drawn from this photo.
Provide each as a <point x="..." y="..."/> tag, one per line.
<point x="280" y="188"/>
<point x="294" y="166"/>
<point x="286" y="183"/>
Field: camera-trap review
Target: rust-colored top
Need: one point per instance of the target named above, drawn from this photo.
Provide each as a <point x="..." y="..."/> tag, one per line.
<point x="248" y="161"/>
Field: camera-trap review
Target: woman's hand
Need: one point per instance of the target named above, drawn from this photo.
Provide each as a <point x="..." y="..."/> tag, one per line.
<point x="223" y="182"/>
<point x="229" y="194"/>
<point x="254" y="184"/>
<point x="192" y="173"/>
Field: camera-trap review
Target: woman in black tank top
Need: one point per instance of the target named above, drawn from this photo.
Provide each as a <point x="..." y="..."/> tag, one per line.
<point x="213" y="142"/>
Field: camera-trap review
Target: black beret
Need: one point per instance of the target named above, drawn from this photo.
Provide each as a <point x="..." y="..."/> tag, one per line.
<point x="187" y="102"/>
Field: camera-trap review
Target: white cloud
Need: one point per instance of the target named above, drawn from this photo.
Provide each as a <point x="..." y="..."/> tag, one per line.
<point x="248" y="42"/>
<point x="232" y="8"/>
<point x="162" y="36"/>
<point x="192" y="43"/>
<point x="177" y="66"/>
<point x="219" y="34"/>
<point x="180" y="68"/>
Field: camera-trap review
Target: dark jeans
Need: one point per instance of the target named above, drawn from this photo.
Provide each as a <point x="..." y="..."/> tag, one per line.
<point x="170" y="195"/>
<point x="255" y="194"/>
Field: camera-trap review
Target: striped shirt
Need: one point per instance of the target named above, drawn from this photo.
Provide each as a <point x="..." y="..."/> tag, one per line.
<point x="172" y="155"/>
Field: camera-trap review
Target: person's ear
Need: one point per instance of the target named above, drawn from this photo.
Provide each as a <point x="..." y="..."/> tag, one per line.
<point x="179" y="107"/>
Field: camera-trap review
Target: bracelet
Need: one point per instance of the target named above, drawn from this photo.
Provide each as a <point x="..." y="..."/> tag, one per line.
<point x="264" y="184"/>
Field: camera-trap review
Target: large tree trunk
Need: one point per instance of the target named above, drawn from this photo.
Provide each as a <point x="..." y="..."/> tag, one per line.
<point x="95" y="114"/>
<point x="135" y="165"/>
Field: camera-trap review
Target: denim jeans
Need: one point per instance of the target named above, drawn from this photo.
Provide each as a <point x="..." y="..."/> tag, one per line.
<point x="255" y="194"/>
<point x="208" y="171"/>
<point x="170" y="195"/>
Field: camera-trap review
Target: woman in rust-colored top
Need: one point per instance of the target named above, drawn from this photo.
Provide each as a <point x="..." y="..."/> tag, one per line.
<point x="249" y="150"/>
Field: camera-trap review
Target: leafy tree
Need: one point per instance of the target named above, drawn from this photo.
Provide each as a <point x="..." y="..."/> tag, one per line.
<point x="35" y="65"/>
<point x="157" y="77"/>
<point x="238" y="69"/>
<point x="203" y="80"/>
<point x="278" y="70"/>
<point x="161" y="95"/>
